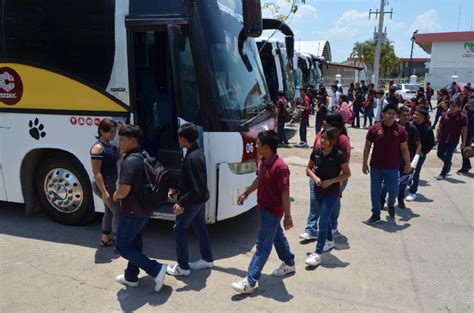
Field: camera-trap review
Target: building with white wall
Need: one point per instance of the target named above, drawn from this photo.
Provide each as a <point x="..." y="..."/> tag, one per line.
<point x="451" y="54"/>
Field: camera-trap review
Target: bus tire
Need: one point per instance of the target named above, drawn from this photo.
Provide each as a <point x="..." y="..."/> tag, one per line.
<point x="64" y="191"/>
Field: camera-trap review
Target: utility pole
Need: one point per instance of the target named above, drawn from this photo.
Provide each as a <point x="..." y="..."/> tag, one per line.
<point x="380" y="38"/>
<point x="413" y="38"/>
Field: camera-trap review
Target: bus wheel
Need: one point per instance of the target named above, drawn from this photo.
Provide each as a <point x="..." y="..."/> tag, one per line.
<point x="64" y="191"/>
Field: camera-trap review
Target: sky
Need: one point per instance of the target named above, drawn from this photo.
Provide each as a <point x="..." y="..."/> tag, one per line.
<point x="343" y="22"/>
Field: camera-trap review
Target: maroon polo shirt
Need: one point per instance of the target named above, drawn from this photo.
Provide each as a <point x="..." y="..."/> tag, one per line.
<point x="307" y="106"/>
<point x="452" y="126"/>
<point x="386" y="140"/>
<point x="273" y="178"/>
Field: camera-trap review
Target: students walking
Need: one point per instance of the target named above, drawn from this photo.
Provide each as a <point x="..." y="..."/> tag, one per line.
<point x="453" y="124"/>
<point x="191" y="206"/>
<point x="273" y="202"/>
<point x="389" y="140"/>
<point x="429" y="93"/>
<point x="133" y="216"/>
<point x="327" y="167"/>
<point x="441" y="106"/>
<point x="343" y="144"/>
<point x="427" y="144"/>
<point x="104" y="157"/>
<point x="414" y="148"/>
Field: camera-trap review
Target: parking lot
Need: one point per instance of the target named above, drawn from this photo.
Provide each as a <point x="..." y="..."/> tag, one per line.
<point x="421" y="261"/>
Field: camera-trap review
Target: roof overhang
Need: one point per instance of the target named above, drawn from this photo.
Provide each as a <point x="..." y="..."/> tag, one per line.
<point x="425" y="41"/>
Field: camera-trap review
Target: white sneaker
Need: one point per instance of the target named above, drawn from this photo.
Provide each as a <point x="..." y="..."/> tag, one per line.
<point x="411" y="197"/>
<point x="440" y="177"/>
<point x="284" y="270"/>
<point x="243" y="286"/>
<point x="160" y="278"/>
<point x="176" y="270"/>
<point x="334" y="231"/>
<point x="328" y="246"/>
<point x="200" y="265"/>
<point x="313" y="260"/>
<point x="306" y="236"/>
<point x="121" y="280"/>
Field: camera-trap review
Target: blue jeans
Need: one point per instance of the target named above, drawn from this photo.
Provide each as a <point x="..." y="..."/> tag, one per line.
<point x="337" y="208"/>
<point x="401" y="187"/>
<point x="315" y="210"/>
<point x="129" y="244"/>
<point x="368" y="112"/>
<point x="378" y="177"/>
<point x="193" y="215"/>
<point x="311" y="222"/>
<point x="270" y="234"/>
<point x="326" y="205"/>
<point x="416" y="176"/>
<point x="281" y="131"/>
<point x="303" y="125"/>
<point x="445" y="154"/>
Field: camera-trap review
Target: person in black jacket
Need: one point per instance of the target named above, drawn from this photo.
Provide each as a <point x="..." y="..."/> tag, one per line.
<point x="427" y="144"/>
<point x="191" y="206"/>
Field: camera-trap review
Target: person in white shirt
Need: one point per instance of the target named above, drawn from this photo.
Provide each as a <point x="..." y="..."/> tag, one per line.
<point x="380" y="103"/>
<point x="335" y="98"/>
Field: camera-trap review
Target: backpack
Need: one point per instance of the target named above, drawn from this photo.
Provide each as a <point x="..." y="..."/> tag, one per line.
<point x="153" y="182"/>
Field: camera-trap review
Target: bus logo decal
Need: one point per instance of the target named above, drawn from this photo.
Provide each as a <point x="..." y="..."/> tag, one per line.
<point x="11" y="86"/>
<point x="36" y="129"/>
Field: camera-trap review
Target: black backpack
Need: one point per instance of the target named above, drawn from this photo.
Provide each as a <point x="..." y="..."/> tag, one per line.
<point x="153" y="182"/>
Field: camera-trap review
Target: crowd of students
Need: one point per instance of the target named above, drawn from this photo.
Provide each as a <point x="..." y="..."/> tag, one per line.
<point x="399" y="150"/>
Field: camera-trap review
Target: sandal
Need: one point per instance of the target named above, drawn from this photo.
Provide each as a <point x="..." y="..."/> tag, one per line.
<point x="108" y="243"/>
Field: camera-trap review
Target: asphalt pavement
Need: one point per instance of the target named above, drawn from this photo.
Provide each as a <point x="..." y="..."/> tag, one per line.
<point x="421" y="261"/>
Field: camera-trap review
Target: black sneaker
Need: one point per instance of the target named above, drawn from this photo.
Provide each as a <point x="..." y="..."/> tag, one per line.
<point x="391" y="211"/>
<point x="462" y="172"/>
<point x="401" y="204"/>
<point x="375" y="218"/>
<point x="382" y="204"/>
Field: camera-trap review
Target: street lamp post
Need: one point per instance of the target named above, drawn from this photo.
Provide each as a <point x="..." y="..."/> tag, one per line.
<point x="411" y="53"/>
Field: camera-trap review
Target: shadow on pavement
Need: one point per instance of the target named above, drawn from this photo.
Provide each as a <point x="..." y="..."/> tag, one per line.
<point x="454" y="180"/>
<point x="422" y="198"/>
<point x="195" y="282"/>
<point x="423" y="183"/>
<point x="341" y="241"/>
<point x="329" y="260"/>
<point x="132" y="299"/>
<point x="269" y="286"/>
<point x="406" y="214"/>
<point x="228" y="238"/>
<point x="390" y="225"/>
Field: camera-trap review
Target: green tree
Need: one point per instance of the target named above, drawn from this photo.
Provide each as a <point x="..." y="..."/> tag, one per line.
<point x="276" y="9"/>
<point x="365" y="53"/>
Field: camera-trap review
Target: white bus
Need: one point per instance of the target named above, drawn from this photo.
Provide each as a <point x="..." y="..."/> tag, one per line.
<point x="67" y="64"/>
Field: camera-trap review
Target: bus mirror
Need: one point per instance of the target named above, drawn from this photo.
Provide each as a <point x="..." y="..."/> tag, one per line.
<point x="290" y="46"/>
<point x="245" y="58"/>
<point x="252" y="11"/>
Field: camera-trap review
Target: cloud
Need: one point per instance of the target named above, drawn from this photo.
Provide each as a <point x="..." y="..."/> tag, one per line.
<point x="306" y="12"/>
<point x="353" y="17"/>
<point x="336" y="33"/>
<point x="426" y="22"/>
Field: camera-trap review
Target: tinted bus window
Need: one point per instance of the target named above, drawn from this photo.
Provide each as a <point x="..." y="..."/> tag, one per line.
<point x="69" y="36"/>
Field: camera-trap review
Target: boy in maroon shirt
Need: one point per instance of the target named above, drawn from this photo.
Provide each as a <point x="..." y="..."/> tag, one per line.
<point x="273" y="202"/>
<point x="452" y="125"/>
<point x="304" y="119"/>
<point x="390" y="141"/>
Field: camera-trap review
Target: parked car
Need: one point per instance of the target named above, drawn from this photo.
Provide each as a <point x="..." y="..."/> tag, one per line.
<point x="407" y="91"/>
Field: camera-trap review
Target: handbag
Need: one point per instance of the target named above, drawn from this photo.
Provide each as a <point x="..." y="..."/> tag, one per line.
<point x="468" y="152"/>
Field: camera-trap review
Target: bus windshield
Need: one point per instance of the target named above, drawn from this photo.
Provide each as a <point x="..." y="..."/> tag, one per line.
<point x="240" y="92"/>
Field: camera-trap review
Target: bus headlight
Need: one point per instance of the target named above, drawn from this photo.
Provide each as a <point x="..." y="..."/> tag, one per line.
<point x="243" y="168"/>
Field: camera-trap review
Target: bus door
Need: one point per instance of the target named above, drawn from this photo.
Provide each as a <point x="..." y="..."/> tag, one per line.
<point x="164" y="91"/>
